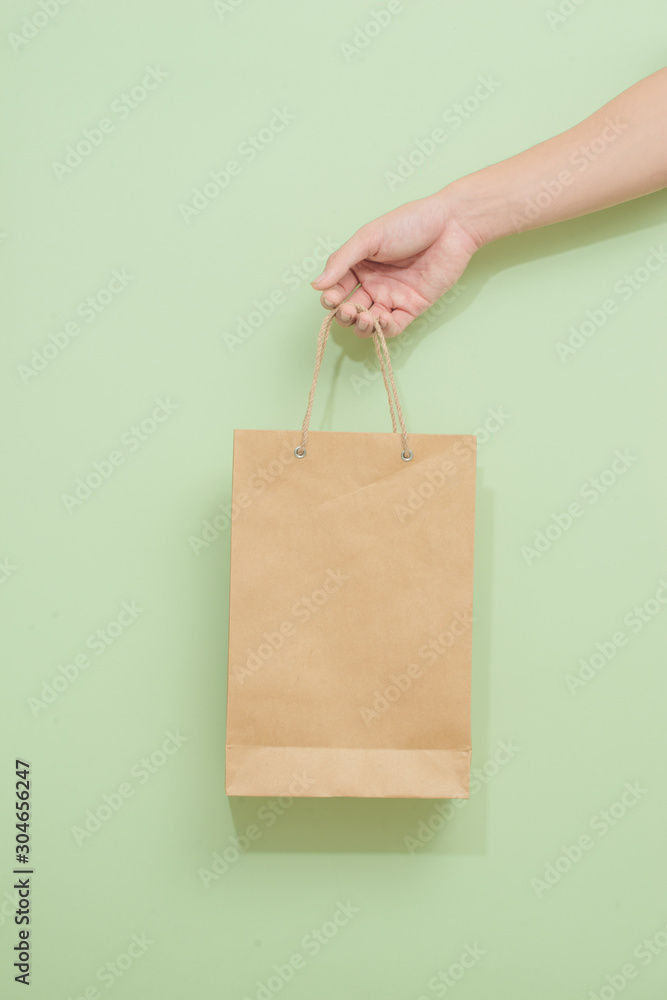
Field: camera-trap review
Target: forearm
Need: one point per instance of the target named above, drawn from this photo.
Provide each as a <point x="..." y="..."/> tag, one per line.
<point x="617" y="153"/>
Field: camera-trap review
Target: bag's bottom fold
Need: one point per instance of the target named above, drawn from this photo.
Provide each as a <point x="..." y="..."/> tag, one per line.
<point x="333" y="772"/>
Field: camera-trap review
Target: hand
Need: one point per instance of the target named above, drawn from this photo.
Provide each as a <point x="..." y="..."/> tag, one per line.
<point x="403" y="261"/>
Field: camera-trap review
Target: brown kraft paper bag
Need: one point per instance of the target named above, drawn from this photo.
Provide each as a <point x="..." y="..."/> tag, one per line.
<point x="350" y="612"/>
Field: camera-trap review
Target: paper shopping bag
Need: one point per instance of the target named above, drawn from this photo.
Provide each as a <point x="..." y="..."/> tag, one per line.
<point x="350" y="613"/>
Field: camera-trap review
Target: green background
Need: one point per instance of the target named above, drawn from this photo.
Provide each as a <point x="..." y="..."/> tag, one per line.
<point x="166" y="336"/>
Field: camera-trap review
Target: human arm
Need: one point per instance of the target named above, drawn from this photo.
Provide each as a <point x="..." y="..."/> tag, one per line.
<point x="405" y="260"/>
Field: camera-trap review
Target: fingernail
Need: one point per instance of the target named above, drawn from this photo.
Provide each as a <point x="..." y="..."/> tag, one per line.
<point x="328" y="302"/>
<point x="315" y="281"/>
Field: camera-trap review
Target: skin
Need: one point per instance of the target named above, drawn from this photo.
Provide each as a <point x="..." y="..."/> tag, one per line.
<point x="405" y="260"/>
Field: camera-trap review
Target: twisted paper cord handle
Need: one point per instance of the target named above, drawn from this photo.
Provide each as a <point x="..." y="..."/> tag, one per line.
<point x="382" y="352"/>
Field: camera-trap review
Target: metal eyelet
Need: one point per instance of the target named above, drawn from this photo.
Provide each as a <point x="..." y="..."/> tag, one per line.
<point x="406" y="455"/>
<point x="299" y="451"/>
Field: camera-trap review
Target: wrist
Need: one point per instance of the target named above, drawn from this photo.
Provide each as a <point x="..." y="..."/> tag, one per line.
<point x="480" y="206"/>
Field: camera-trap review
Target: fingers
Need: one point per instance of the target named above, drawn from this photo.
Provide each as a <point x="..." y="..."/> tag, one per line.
<point x="363" y="244"/>
<point x="338" y="280"/>
<point x="363" y="322"/>
<point x="348" y="315"/>
<point x="335" y="295"/>
<point x="398" y="320"/>
<point x="392" y="322"/>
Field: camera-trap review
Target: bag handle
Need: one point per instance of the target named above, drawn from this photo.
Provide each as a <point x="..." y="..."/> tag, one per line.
<point x="383" y="357"/>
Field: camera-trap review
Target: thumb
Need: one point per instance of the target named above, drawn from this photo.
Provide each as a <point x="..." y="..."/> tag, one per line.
<point x="363" y="244"/>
